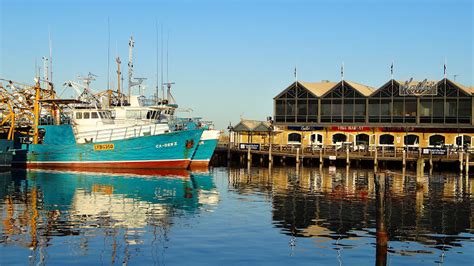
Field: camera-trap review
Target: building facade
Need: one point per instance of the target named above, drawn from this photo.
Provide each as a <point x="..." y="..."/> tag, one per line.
<point x="398" y="114"/>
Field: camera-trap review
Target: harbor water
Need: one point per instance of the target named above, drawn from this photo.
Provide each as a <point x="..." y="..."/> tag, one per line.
<point x="233" y="216"/>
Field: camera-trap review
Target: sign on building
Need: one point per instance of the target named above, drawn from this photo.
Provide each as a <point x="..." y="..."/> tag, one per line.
<point x="253" y="146"/>
<point x="305" y="128"/>
<point x="435" y="151"/>
<point x="424" y="87"/>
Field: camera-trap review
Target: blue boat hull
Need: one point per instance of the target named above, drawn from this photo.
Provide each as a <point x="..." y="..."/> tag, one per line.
<point x="204" y="153"/>
<point x="59" y="150"/>
<point x="5" y="154"/>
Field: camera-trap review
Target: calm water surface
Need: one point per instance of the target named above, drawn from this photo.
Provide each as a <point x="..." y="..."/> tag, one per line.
<point x="232" y="216"/>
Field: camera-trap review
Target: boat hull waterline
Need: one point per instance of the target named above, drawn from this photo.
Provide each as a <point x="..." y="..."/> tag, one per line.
<point x="170" y="150"/>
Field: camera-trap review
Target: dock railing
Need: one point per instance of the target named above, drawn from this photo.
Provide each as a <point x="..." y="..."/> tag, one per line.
<point x="356" y="151"/>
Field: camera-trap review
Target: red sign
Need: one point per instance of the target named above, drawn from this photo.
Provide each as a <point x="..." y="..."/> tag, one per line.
<point x="350" y="128"/>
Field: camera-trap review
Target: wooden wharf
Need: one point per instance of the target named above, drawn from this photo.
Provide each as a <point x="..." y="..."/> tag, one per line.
<point x="348" y="154"/>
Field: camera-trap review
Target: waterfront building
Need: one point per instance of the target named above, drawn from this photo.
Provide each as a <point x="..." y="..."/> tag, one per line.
<point x="426" y="114"/>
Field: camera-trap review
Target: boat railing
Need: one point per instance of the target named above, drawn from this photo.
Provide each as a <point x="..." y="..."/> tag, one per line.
<point x="119" y="133"/>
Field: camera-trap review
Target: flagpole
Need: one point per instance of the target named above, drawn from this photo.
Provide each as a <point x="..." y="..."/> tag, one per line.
<point x="445" y="75"/>
<point x="391" y="73"/>
<point x="296" y="77"/>
<point x="342" y="73"/>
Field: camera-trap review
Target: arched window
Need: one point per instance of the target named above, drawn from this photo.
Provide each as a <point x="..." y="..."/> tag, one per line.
<point x="463" y="140"/>
<point x="386" y="139"/>
<point x="362" y="139"/>
<point x="316" y="138"/>
<point x="338" y="138"/>
<point x="294" y="138"/>
<point x="436" y="140"/>
<point x="411" y="140"/>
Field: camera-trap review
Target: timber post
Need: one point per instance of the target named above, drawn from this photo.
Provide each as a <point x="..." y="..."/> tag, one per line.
<point x="348" y="160"/>
<point x="431" y="161"/>
<point x="404" y="158"/>
<point x="381" y="229"/>
<point x="249" y="155"/>
<point x="321" y="161"/>
<point x="297" y="156"/>
<point x="467" y="163"/>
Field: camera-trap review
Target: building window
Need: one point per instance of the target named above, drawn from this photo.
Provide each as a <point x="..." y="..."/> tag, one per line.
<point x="317" y="138"/>
<point x="463" y="141"/>
<point x="294" y="138"/>
<point x="464" y="113"/>
<point x="411" y="140"/>
<point x="362" y="139"/>
<point x="438" y="111"/>
<point x="359" y="110"/>
<point x="374" y="110"/>
<point x="302" y="110"/>
<point x="385" y="111"/>
<point x="437" y="140"/>
<point x="386" y="139"/>
<point x="280" y="111"/>
<point x="312" y="110"/>
<point x="410" y="111"/>
<point x="426" y="110"/>
<point x="338" y="138"/>
<point x="451" y="111"/>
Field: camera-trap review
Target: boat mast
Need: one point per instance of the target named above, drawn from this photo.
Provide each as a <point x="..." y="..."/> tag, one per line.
<point x="119" y="73"/>
<point x="131" y="83"/>
<point x="36" y="110"/>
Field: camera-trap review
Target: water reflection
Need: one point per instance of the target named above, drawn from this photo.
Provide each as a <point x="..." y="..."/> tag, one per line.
<point x="277" y="216"/>
<point x="337" y="205"/>
<point x="39" y="206"/>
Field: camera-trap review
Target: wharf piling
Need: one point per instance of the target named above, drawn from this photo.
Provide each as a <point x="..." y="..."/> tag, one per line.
<point x="381" y="229"/>
<point x="467" y="163"/>
<point x="297" y="156"/>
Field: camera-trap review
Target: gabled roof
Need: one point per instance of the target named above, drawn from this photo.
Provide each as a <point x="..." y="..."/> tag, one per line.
<point x="318" y="88"/>
<point x="252" y="126"/>
<point x="361" y="88"/>
<point x="468" y="90"/>
<point x="315" y="88"/>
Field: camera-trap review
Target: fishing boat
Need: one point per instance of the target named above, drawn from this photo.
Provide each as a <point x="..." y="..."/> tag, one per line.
<point x="94" y="140"/>
<point x="88" y="137"/>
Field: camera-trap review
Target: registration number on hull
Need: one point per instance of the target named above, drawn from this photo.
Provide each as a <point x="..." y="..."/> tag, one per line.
<point x="104" y="147"/>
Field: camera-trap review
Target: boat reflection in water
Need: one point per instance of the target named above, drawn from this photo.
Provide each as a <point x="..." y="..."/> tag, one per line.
<point x="231" y="216"/>
<point x="40" y="205"/>
<point x="338" y="210"/>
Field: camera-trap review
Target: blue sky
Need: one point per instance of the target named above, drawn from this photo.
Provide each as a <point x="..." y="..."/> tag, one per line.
<point x="230" y="58"/>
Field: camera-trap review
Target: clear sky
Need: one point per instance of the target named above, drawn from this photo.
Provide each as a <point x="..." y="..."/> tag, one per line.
<point x="230" y="58"/>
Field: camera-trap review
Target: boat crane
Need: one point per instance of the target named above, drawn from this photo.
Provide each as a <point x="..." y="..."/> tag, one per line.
<point x="83" y="91"/>
<point x="21" y="107"/>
